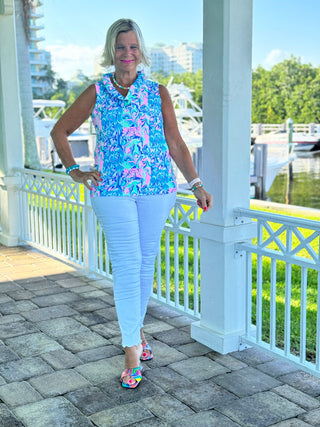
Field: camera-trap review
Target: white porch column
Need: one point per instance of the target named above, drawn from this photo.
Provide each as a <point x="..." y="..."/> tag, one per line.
<point x="11" y="146"/>
<point x="226" y="170"/>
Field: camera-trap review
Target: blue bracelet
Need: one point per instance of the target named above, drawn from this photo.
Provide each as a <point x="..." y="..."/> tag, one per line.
<point x="197" y="186"/>
<point x="71" y="168"/>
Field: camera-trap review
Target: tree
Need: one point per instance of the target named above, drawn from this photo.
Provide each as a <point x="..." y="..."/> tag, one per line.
<point x="77" y="89"/>
<point x="22" y="19"/>
<point x="49" y="79"/>
<point x="61" y="85"/>
<point x="289" y="89"/>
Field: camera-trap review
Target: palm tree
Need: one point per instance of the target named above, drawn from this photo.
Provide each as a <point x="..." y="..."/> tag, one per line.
<point x="22" y="21"/>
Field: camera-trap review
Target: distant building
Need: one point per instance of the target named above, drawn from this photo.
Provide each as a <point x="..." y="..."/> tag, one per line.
<point x="176" y="59"/>
<point x="40" y="60"/>
<point x="187" y="57"/>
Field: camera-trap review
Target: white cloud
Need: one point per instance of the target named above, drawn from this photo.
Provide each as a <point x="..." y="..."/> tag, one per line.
<point x="68" y="58"/>
<point x="274" y="57"/>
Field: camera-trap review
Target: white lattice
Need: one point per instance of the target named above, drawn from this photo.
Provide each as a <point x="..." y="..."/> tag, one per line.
<point x="288" y="240"/>
<point x="49" y="185"/>
<point x="285" y="238"/>
<point x="292" y="245"/>
<point x="186" y="211"/>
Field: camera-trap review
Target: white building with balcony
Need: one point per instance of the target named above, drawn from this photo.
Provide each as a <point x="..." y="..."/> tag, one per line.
<point x="40" y="59"/>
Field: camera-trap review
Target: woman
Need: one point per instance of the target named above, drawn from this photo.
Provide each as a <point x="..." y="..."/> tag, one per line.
<point x="133" y="187"/>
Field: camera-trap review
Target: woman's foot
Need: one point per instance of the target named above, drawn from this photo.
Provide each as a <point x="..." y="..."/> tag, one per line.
<point x="132" y="373"/>
<point x="130" y="378"/>
<point x="146" y="351"/>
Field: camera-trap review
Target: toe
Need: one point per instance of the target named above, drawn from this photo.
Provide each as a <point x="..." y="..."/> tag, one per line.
<point x="129" y="380"/>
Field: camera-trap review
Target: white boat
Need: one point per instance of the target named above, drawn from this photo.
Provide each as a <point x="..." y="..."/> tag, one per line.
<point x="276" y="157"/>
<point x="82" y="141"/>
<point x="44" y="117"/>
<point x="188" y="114"/>
<point x="189" y="119"/>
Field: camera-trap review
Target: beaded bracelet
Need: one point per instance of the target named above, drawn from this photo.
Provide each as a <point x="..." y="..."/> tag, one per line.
<point x="196" y="186"/>
<point x="194" y="181"/>
<point x="71" y="168"/>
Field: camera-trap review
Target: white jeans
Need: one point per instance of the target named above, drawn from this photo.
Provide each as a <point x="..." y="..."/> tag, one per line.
<point x="132" y="227"/>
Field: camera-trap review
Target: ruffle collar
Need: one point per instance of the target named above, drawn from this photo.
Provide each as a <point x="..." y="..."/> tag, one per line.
<point x="134" y="91"/>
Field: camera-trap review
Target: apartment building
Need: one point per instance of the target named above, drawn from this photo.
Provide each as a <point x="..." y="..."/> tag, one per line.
<point x="186" y="57"/>
<point x="40" y="59"/>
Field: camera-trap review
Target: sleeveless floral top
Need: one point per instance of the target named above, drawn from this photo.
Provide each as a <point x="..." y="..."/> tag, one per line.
<point x="131" y="152"/>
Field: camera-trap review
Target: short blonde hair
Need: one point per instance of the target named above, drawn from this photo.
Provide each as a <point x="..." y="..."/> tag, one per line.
<point x="122" y="26"/>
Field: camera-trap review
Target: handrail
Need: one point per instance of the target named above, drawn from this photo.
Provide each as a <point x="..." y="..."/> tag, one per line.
<point x="269" y="216"/>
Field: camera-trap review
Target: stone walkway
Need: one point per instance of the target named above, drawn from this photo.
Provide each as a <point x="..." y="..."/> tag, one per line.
<point x="61" y="358"/>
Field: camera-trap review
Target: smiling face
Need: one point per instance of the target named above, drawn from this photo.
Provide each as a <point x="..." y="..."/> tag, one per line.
<point x="127" y="52"/>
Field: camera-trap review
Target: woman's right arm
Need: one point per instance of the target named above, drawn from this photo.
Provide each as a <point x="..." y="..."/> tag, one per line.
<point x="76" y="114"/>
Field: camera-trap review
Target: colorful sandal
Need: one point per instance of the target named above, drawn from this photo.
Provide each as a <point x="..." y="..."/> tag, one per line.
<point x="146" y="356"/>
<point x="135" y="373"/>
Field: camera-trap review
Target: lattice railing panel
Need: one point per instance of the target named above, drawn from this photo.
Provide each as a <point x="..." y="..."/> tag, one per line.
<point x="58" y="187"/>
<point x="283" y="286"/>
<point x="286" y="239"/>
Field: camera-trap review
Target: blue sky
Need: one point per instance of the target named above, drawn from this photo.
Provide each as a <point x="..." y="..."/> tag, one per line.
<point x="74" y="33"/>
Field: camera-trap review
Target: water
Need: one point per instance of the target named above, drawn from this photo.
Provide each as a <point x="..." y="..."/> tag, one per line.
<point x="304" y="188"/>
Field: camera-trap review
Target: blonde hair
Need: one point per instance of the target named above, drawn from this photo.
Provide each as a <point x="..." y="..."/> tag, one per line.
<point x="122" y="26"/>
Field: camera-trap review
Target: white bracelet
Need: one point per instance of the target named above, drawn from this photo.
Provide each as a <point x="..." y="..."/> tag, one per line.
<point x="194" y="181"/>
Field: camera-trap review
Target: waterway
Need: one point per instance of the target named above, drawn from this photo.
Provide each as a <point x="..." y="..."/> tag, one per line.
<point x="304" y="187"/>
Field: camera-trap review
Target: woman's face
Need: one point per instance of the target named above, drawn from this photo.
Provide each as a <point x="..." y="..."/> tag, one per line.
<point x="127" y="52"/>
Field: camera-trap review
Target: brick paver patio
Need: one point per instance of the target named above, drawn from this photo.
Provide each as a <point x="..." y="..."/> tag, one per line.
<point x="61" y="358"/>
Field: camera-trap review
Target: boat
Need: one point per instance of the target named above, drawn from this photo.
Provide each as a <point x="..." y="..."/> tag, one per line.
<point x="266" y="162"/>
<point x="82" y="141"/>
<point x="188" y="114"/>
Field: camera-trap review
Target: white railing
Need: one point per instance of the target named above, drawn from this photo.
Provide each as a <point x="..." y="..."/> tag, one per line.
<point x="304" y="128"/>
<point x="57" y="217"/>
<point x="283" y="276"/>
<point x="261" y="128"/>
<point x="283" y="262"/>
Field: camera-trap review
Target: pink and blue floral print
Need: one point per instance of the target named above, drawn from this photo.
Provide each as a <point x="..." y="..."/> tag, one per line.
<point x="131" y="152"/>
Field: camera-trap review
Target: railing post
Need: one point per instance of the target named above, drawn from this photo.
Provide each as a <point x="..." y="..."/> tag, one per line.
<point x="260" y="169"/>
<point x="89" y="235"/>
<point x="289" y="128"/>
<point x="10" y="232"/>
<point x="226" y="133"/>
<point x="312" y="128"/>
<point x="11" y="146"/>
<point x="257" y="129"/>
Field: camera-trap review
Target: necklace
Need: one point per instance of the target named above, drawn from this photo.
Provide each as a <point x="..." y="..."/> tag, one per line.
<point x="121" y="87"/>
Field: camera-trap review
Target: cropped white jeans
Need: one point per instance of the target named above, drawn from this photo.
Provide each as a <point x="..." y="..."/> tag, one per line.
<point x="132" y="227"/>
